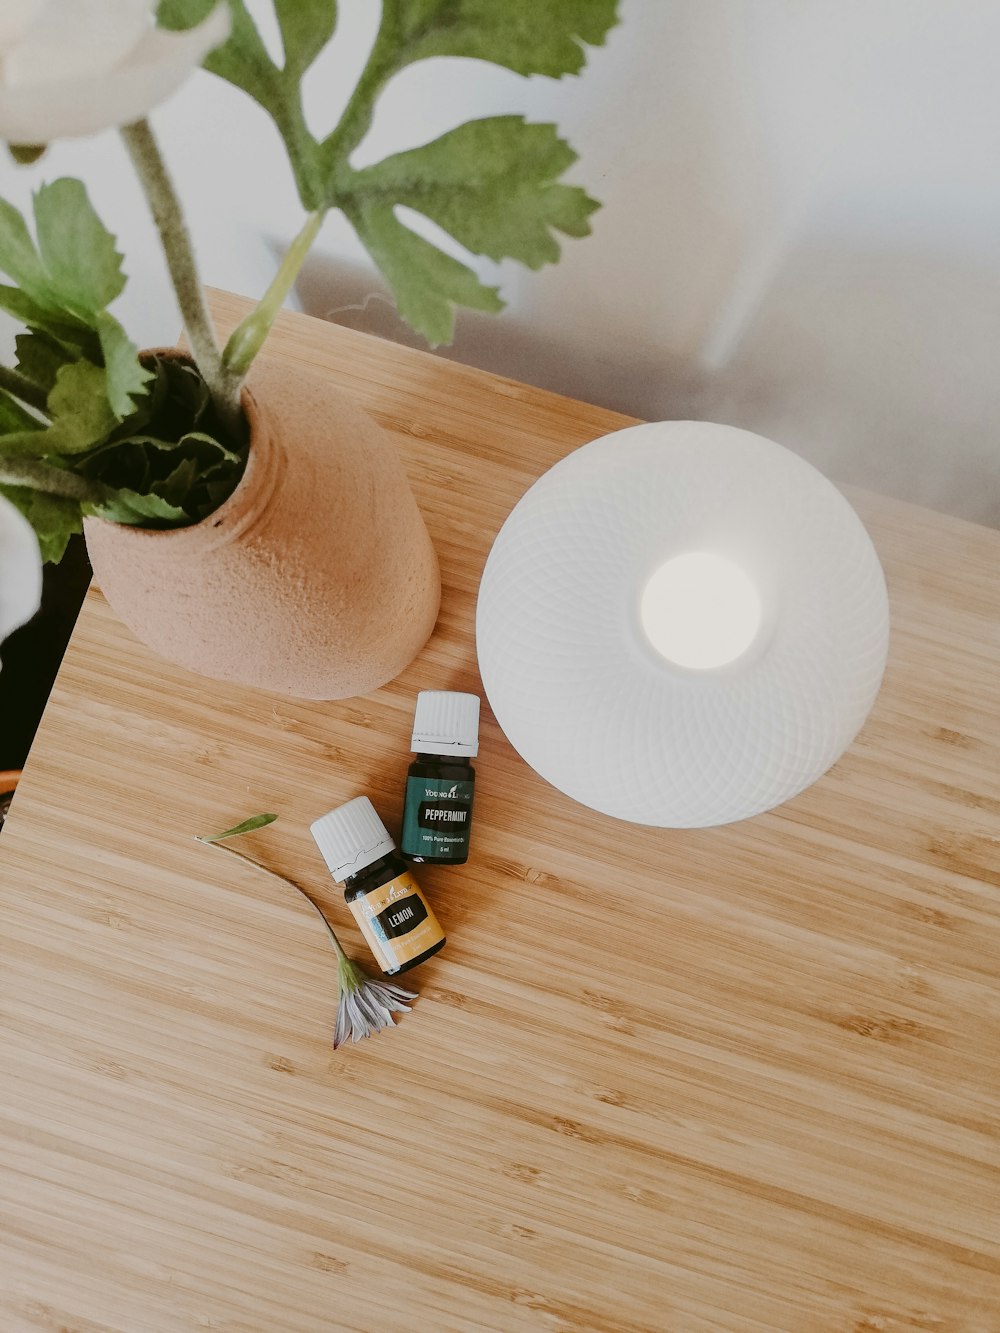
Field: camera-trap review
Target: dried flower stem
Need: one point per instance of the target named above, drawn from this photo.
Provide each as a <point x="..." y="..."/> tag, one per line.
<point x="365" y="1006"/>
<point x="252" y="860"/>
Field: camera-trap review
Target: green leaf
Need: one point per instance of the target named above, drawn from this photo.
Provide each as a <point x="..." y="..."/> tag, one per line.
<point x="14" y="419"/>
<point x="492" y="184"/>
<point x="212" y="493"/>
<point x="179" y="15"/>
<point x="141" y="511"/>
<point x="208" y="445"/>
<point x="426" y="283"/>
<point x="150" y="405"/>
<point x="33" y="313"/>
<point x="18" y="257"/>
<point x="212" y="459"/>
<point x="59" y="323"/>
<point x="306" y="27"/>
<point x="216" y="482"/>
<point x="40" y="357"/>
<point x="248" y="826"/>
<point x="210" y="452"/>
<point x="527" y="36"/>
<point x="81" y="413"/>
<point x="53" y="518"/>
<point x="188" y="394"/>
<point x="243" y="61"/>
<point x="194" y="475"/>
<point x="127" y="378"/>
<point x="83" y="266"/>
<point x="121" y="466"/>
<point x="177" y="487"/>
<point x="170" y="449"/>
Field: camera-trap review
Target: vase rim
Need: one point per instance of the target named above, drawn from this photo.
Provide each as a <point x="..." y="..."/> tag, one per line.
<point x="245" y="502"/>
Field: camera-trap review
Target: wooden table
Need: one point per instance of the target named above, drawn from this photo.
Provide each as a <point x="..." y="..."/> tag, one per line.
<point x="734" y="1079"/>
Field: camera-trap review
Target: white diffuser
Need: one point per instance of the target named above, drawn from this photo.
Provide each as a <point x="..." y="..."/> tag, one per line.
<point x="682" y="624"/>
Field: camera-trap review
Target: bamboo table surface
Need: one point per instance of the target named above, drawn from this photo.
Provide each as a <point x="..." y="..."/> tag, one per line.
<point x="742" y="1079"/>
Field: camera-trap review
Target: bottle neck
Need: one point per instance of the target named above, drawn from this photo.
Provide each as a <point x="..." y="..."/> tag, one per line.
<point x="387" y="866"/>
<point x="425" y="757"/>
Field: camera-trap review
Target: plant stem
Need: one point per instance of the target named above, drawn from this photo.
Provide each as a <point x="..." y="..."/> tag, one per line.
<point x="21" y="387"/>
<point x="246" y="64"/>
<point x="248" y="338"/>
<point x="169" y="218"/>
<point x="50" y="480"/>
<point x="383" y="61"/>
<point x="252" y="860"/>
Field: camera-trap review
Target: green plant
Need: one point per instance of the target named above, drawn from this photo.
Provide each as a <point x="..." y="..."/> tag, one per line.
<point x="89" y="427"/>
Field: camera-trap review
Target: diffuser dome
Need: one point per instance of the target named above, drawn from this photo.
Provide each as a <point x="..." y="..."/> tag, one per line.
<point x="682" y="624"/>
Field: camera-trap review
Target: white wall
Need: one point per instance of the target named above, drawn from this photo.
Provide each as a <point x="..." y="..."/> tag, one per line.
<point x="801" y="231"/>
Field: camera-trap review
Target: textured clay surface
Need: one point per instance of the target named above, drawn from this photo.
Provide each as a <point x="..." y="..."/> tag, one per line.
<point x="315" y="579"/>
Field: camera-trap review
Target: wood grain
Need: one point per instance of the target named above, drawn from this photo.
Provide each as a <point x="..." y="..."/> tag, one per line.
<point x="737" y="1079"/>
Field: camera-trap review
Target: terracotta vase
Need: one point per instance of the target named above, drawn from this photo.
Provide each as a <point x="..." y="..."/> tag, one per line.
<point x="315" y="579"/>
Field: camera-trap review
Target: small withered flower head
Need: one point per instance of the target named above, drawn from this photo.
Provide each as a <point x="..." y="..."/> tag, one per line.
<point x="366" y="1006"/>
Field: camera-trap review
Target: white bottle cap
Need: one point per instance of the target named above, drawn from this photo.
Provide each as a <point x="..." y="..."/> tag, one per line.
<point x="446" y="723"/>
<point x="351" y="837"/>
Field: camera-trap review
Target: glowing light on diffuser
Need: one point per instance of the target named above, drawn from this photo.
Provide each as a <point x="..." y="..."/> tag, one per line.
<point x="700" y="611"/>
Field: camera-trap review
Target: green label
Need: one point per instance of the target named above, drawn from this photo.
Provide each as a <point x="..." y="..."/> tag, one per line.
<point x="437" y="818"/>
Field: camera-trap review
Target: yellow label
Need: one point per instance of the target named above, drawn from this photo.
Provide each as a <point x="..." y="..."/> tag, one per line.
<point x="397" y="922"/>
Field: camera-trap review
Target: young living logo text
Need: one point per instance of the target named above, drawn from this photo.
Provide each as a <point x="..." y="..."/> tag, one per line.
<point x="441" y="795"/>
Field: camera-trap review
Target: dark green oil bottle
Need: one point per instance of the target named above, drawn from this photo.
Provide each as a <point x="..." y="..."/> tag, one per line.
<point x="441" y="782"/>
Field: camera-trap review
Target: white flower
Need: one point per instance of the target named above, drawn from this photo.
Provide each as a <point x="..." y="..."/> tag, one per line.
<point x="365" y="1006"/>
<point x="74" y="67"/>
<point x="20" y="569"/>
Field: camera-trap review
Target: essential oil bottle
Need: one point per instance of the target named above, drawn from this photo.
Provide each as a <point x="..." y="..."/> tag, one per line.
<point x="441" y="782"/>
<point x="387" y="902"/>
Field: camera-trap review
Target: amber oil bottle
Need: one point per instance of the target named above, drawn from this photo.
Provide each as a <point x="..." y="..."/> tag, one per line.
<point x="388" y="904"/>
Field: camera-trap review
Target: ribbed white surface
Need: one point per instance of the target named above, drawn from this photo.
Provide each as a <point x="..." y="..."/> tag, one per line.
<point x="351" y="837"/>
<point x="572" y="679"/>
<point x="446" y="722"/>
